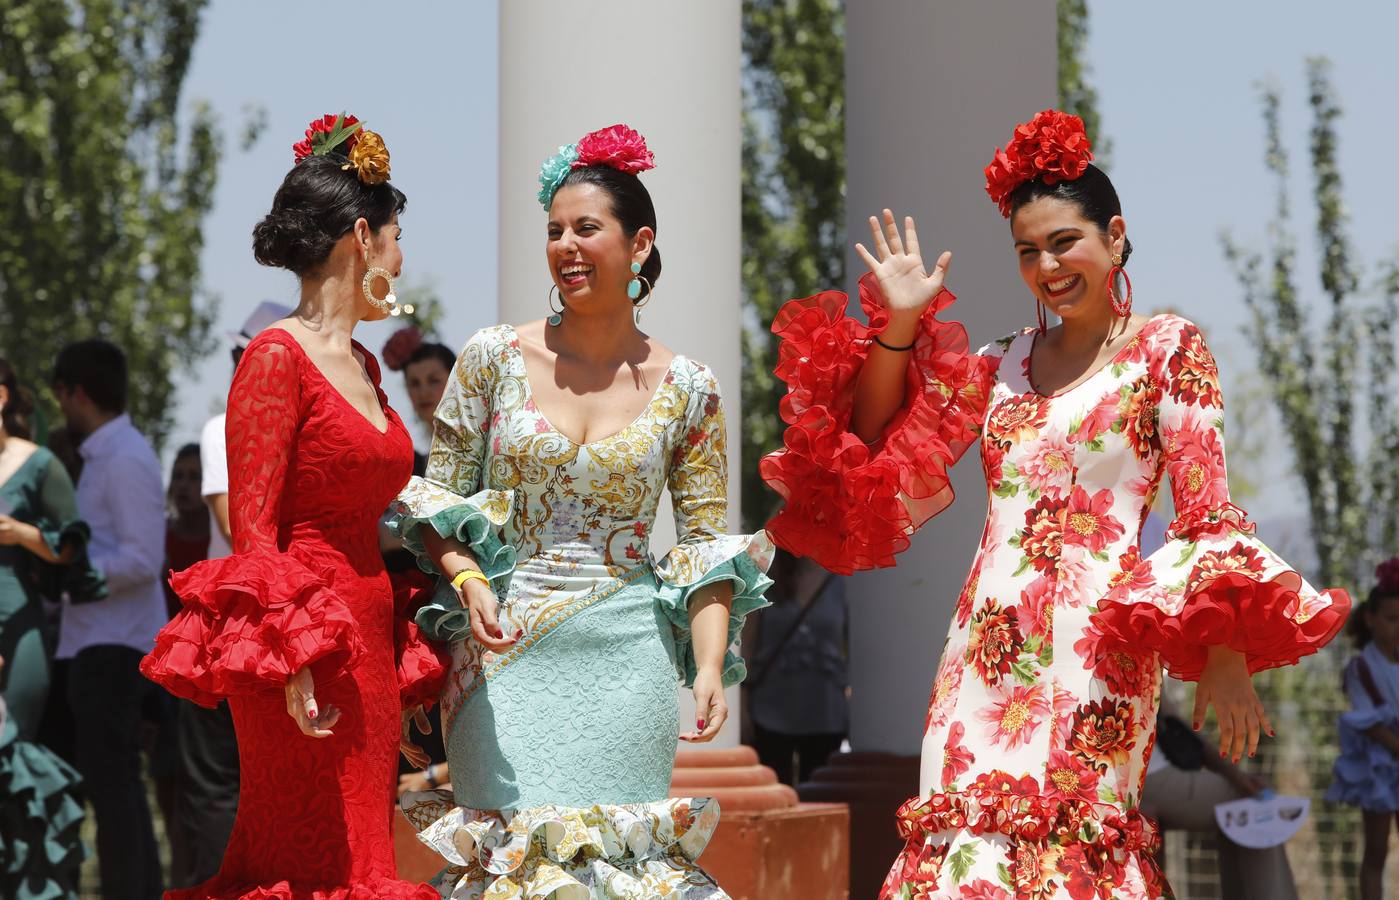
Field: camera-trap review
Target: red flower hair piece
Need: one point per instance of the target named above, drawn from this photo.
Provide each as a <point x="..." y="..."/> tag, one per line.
<point x="325" y="129"/>
<point x="1052" y="146"/>
<point x="402" y="344"/>
<point x="1387" y="576"/>
<point x="617" y="146"/>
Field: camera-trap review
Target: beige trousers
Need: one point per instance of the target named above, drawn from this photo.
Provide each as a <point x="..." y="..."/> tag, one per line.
<point x="1185" y="801"/>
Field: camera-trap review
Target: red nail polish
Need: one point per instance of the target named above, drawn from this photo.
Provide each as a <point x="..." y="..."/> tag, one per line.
<point x="700" y="724"/>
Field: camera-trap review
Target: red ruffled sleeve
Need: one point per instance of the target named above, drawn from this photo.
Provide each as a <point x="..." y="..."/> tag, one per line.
<point x="851" y="505"/>
<point x="251" y="620"/>
<point x="1212" y="582"/>
<point x="421" y="664"/>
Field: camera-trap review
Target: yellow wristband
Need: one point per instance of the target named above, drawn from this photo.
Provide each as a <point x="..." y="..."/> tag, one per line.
<point x="466" y="575"/>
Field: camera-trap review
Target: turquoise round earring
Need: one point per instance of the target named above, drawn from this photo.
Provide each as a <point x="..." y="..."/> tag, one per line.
<point x="557" y="318"/>
<point x="634" y="286"/>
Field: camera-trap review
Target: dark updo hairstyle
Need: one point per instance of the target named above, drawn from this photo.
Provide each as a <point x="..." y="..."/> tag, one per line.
<point x="631" y="205"/>
<point x="1092" y="192"/>
<point x="20" y="405"/>
<point x="318" y="204"/>
<point x="432" y="350"/>
<point x="1386" y="588"/>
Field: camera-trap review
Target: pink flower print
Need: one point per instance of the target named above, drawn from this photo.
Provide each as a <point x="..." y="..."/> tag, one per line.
<point x="1036" y="609"/>
<point x="1090" y="523"/>
<point x="1074" y="582"/>
<point x="981" y="889"/>
<point x="956" y="758"/>
<point x="1195" y="461"/>
<point x="946" y="686"/>
<point x="1013" y="719"/>
<point x="1049" y="463"/>
<point x="1064" y="705"/>
<point x="1099" y="419"/>
<point x="1069" y="778"/>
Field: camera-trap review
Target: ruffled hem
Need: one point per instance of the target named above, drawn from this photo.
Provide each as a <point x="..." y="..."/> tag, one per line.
<point x="569" y="853"/>
<point x="851" y="505"/>
<point x="745" y="559"/>
<point x="476" y="521"/>
<point x="1225" y="587"/>
<point x="250" y="622"/>
<point x="1030" y="817"/>
<point x="1365" y="774"/>
<point x="421" y="665"/>
<point x="373" y="889"/>
<point x="40" y="847"/>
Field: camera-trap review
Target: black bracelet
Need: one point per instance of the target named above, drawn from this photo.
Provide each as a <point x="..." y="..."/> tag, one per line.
<point x="895" y="349"/>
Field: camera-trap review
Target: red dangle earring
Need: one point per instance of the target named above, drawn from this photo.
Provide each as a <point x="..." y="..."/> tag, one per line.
<point x="1122" y="306"/>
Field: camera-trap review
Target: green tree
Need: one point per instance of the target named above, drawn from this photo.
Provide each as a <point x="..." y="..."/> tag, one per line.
<point x="101" y="200"/>
<point x="1076" y="95"/>
<point x="1321" y="383"/>
<point x="793" y="213"/>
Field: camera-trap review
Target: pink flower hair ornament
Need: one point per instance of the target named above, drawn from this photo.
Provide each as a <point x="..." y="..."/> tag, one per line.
<point x="617" y="146"/>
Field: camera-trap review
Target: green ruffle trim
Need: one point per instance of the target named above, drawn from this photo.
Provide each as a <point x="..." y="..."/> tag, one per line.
<point x="750" y="584"/>
<point x="40" y="849"/>
<point x="443" y="618"/>
<point x="79" y="579"/>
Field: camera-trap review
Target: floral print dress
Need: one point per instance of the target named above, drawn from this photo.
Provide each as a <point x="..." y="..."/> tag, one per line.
<point x="1041" y="720"/>
<point x="561" y="748"/>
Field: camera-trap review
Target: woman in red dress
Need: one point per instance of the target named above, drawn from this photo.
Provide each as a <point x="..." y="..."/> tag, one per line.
<point x="296" y="629"/>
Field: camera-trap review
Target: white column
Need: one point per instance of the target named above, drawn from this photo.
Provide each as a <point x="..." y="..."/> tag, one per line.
<point x="931" y="90"/>
<point x="671" y="71"/>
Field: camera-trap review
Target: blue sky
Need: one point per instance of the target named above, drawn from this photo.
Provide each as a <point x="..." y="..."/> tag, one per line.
<point x="1179" y="99"/>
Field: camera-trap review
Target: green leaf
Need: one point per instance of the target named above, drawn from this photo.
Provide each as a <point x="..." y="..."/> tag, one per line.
<point x="1032" y="645"/>
<point x="1010" y="469"/>
<point x="1007" y="489"/>
<point x="1046" y="657"/>
<point x="1022" y="568"/>
<point x="1024" y="672"/>
<point x="1095" y="445"/>
<point x="1107" y="794"/>
<point x="1187" y="553"/>
<point x="1101" y="556"/>
<point x="961" y="861"/>
<point x="1003" y="873"/>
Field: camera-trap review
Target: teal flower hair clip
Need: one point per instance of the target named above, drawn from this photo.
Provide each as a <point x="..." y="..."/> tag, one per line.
<point x="554" y="171"/>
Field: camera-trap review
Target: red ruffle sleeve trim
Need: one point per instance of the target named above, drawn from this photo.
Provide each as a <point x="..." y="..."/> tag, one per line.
<point x="421" y="664"/>
<point x="251" y="621"/>
<point x="1266" y="620"/>
<point x="370" y="889"/>
<point x="851" y="505"/>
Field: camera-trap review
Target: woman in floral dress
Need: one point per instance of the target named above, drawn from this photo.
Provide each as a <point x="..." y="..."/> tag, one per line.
<point x="1040" y="724"/>
<point x="552" y="447"/>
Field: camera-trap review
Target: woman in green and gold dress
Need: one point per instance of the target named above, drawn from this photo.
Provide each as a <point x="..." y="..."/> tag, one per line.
<point x="40" y="535"/>
<point x="552" y="447"/>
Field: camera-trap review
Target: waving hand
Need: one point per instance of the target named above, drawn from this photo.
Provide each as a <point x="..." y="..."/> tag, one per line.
<point x="907" y="286"/>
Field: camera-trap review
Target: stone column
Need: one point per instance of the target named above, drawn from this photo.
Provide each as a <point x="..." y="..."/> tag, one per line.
<point x="671" y="71"/>
<point x="931" y="90"/>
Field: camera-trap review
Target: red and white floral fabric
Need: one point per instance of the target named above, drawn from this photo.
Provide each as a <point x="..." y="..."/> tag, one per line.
<point x="1042" y="715"/>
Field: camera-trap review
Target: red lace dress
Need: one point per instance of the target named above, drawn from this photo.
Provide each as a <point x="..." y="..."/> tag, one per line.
<point x="308" y="478"/>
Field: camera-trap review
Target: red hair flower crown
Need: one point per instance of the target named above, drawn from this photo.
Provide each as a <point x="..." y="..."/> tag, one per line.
<point x="618" y="146"/>
<point x="1052" y="146"/>
<point x="1387" y="576"/>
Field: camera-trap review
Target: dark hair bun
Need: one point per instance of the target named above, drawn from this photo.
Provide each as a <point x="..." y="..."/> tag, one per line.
<point x="317" y="204"/>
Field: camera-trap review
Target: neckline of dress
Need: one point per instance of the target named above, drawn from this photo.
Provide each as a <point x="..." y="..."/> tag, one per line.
<point x="364" y="364"/>
<point x="514" y="344"/>
<point x="1030" y="361"/>
<point x="22" y="466"/>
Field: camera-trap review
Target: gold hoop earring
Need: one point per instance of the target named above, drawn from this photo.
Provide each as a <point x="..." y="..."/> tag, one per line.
<point x="638" y="304"/>
<point x="389" y="303"/>
<point x="557" y="318"/>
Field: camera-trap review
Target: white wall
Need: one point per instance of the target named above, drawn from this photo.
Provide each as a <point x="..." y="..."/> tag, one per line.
<point x="671" y="71"/>
<point x="932" y="88"/>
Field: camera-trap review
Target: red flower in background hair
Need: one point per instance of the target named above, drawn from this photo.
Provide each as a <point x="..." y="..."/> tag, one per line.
<point x="325" y="125"/>
<point x="1387" y="575"/>
<point x="617" y="146"/>
<point x="402" y="344"/>
<point x="1052" y="146"/>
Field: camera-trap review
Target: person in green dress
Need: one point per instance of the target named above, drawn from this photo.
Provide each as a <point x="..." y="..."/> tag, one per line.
<point x="40" y="536"/>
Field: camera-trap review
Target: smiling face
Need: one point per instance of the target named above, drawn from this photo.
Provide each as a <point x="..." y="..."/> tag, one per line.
<point x="1064" y="257"/>
<point x="589" y="252"/>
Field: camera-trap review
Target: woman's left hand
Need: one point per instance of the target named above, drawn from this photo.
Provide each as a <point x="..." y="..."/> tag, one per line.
<point x="12" y="531"/>
<point x="1225" y="684"/>
<point x="710" y="708"/>
<point x="415" y="755"/>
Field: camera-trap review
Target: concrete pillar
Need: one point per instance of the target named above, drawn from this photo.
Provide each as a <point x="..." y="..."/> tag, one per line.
<point x="932" y="88"/>
<point x="671" y="71"/>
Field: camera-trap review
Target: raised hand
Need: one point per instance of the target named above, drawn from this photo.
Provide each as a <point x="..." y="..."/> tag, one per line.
<point x="907" y="287"/>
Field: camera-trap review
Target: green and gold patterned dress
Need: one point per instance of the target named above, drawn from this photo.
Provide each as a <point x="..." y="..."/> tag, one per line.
<point x="561" y="748"/>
